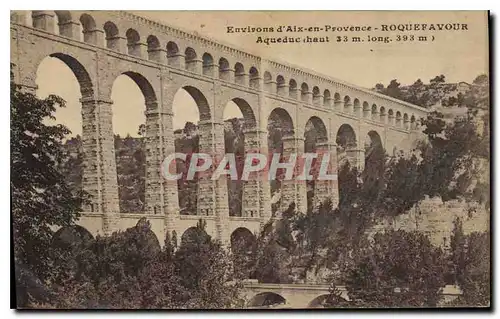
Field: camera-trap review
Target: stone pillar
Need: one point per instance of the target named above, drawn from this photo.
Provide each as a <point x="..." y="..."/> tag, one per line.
<point x="294" y="191"/>
<point x="169" y="197"/>
<point x="70" y="29"/>
<point x="212" y="194"/>
<point x="153" y="145"/>
<point x="95" y="37"/>
<point x="44" y="20"/>
<point x="99" y="168"/>
<point x="326" y="188"/>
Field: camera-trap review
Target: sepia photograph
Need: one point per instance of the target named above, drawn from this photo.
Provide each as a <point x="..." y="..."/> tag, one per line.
<point x="250" y="160"/>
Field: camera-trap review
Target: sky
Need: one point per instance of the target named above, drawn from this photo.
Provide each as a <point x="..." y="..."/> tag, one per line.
<point x="459" y="55"/>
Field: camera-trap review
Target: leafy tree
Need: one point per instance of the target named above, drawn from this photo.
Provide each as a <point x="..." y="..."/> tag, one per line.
<point x="399" y="269"/>
<point x="470" y="261"/>
<point x="204" y="270"/>
<point x="393" y="89"/>
<point x="41" y="197"/>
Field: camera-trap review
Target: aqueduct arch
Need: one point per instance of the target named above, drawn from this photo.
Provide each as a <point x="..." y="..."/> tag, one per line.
<point x="98" y="46"/>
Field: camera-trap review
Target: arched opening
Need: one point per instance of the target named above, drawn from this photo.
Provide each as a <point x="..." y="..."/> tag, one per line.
<point x="327" y="301"/>
<point x="347" y="104"/>
<point x="337" y="102"/>
<point x="304" y="92"/>
<point x="132" y="95"/>
<point x="208" y="62"/>
<point x="238" y="118"/>
<point x="154" y="48"/>
<point x="88" y="28"/>
<point x="315" y="135"/>
<point x="239" y="73"/>
<point x="133" y="42"/>
<point x="356" y="106"/>
<point x="194" y="235"/>
<point x="280" y="84"/>
<point x="398" y="119"/>
<point x="374" y="114"/>
<point x="189" y="107"/>
<point x="268" y="80"/>
<point x="234" y="143"/>
<point x="383" y="114"/>
<point x="224" y="69"/>
<point x="406" y="121"/>
<point x="391" y="117"/>
<point x="64" y="76"/>
<point x="173" y="55"/>
<point x="190" y="59"/>
<point x="243" y="249"/>
<point x="254" y="78"/>
<point x="366" y="110"/>
<point x="292" y="88"/>
<point x="316" y="95"/>
<point x="413" y="122"/>
<point x="327" y="98"/>
<point x="266" y="300"/>
<point x="347" y="158"/>
<point x="111" y="36"/>
<point x="65" y="26"/>
<point x="279" y="131"/>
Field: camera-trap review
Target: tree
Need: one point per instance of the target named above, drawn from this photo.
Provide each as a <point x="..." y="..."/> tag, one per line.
<point x="437" y="79"/>
<point x="205" y="271"/>
<point x="399" y="269"/>
<point x="41" y="197"/>
<point x="393" y="89"/>
<point x="470" y="261"/>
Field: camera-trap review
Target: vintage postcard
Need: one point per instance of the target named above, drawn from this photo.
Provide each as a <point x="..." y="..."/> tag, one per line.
<point x="250" y="159"/>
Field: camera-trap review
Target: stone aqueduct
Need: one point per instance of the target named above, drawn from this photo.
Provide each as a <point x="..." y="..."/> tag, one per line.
<point x="162" y="60"/>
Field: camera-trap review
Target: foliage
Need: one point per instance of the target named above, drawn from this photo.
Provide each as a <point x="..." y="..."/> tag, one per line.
<point x="41" y="196"/>
<point x="129" y="270"/>
<point x="470" y="260"/>
<point x="398" y="269"/>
